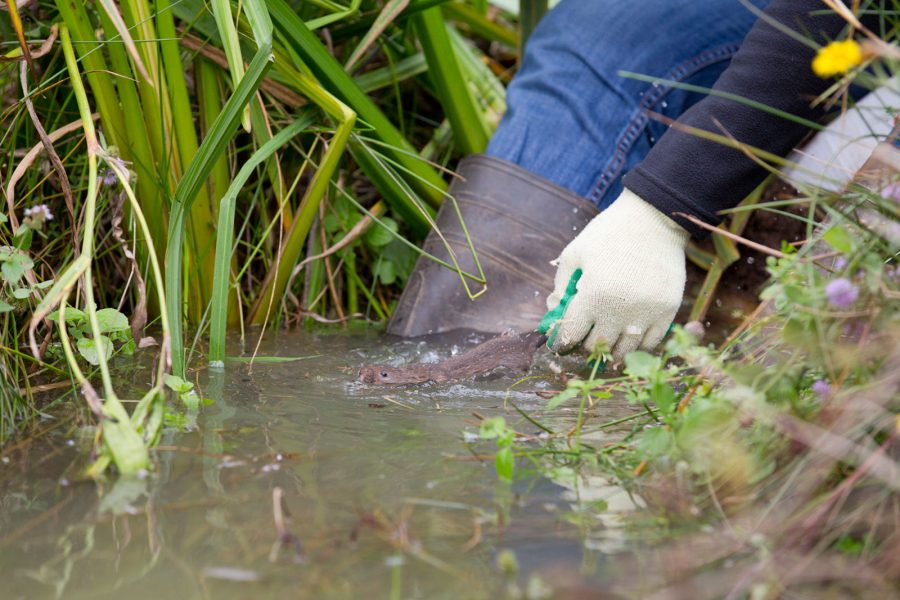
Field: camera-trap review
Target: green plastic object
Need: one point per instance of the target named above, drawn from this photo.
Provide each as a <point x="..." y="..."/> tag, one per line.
<point x="555" y="314"/>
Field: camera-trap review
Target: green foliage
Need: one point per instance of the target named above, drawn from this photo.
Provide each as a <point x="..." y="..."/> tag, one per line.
<point x="504" y="459"/>
<point x="113" y="327"/>
<point x="186" y="421"/>
<point x="219" y="171"/>
<point x="777" y="432"/>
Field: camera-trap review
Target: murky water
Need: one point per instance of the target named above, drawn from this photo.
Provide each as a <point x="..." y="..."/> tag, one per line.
<point x="388" y="497"/>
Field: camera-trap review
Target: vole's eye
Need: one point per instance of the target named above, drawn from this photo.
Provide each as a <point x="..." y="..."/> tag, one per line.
<point x="384" y="374"/>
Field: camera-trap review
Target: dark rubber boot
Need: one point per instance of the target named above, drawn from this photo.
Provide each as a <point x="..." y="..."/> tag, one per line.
<point x="518" y="223"/>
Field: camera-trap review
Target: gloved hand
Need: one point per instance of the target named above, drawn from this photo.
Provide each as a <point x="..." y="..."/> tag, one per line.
<point x="632" y="281"/>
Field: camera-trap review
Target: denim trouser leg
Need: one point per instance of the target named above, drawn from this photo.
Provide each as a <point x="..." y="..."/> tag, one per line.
<point x="574" y="120"/>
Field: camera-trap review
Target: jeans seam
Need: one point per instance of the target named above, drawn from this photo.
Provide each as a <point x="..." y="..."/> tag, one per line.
<point x="640" y="118"/>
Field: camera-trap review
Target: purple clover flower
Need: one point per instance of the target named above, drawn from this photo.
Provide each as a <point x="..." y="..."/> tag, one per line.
<point x="821" y="388"/>
<point x="840" y="263"/>
<point x="891" y="191"/>
<point x="108" y="177"/>
<point x="841" y="293"/>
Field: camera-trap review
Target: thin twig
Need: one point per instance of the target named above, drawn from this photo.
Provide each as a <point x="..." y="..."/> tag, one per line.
<point x="732" y="236"/>
<point x="329" y="272"/>
<point x="52" y="155"/>
<point x="29" y="159"/>
<point x="285" y="537"/>
<point x="270" y="86"/>
<point x="356" y="231"/>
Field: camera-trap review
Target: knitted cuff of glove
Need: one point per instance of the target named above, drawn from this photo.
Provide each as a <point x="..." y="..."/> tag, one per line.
<point x="650" y="218"/>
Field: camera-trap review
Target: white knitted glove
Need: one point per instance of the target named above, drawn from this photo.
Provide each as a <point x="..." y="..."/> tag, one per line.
<point x="632" y="282"/>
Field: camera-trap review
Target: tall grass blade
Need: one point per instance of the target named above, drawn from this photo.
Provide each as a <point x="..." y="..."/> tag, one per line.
<point x="276" y="280"/>
<point x="112" y="12"/>
<point x="391" y="10"/>
<point x="480" y="24"/>
<point x="338" y="15"/>
<point x="137" y="145"/>
<point x="199" y="168"/>
<point x="207" y="78"/>
<point x="225" y="237"/>
<point x="402" y="70"/>
<point x="469" y="128"/>
<point x="97" y="72"/>
<point x="202" y="224"/>
<point x="530" y="12"/>
<point x="221" y="10"/>
<point x="425" y="180"/>
<point x="20" y="34"/>
<point x="728" y="96"/>
<point x="489" y="91"/>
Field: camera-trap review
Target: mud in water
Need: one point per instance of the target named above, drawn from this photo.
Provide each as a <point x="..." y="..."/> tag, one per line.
<point x="385" y="493"/>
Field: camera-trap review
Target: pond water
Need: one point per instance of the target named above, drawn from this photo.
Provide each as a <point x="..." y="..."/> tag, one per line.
<point x="385" y="494"/>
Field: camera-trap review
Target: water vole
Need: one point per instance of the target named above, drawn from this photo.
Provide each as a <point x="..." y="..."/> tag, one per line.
<point x="512" y="350"/>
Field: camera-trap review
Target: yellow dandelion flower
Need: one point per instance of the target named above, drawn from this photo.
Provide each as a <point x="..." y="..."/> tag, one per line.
<point x="837" y="58"/>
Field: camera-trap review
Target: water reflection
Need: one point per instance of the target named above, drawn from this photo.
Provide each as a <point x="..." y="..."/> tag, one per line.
<point x="378" y="492"/>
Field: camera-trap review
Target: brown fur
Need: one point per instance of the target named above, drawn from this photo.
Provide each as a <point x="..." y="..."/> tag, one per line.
<point x="512" y="350"/>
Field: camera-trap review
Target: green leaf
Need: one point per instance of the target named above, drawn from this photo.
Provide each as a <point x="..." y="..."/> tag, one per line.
<point x="379" y="236"/>
<point x="838" y="238"/>
<point x="566" y="394"/>
<point x="664" y="397"/>
<point x="332" y="223"/>
<point x="21" y="293"/>
<point x="492" y="428"/>
<point x="335" y="223"/>
<point x="386" y="272"/>
<point x="73" y="315"/>
<point x="23" y="237"/>
<point x="642" y="364"/>
<point x="110" y="320"/>
<point x="706" y="420"/>
<point x="504" y="462"/>
<point x="5" y="307"/>
<point x="191" y="402"/>
<point x="655" y="442"/>
<point x="14" y="266"/>
<point x="849" y="545"/>
<point x="403" y="257"/>
<point x="123" y="496"/>
<point x="796" y="294"/>
<point x="91" y="349"/>
<point x="177" y="384"/>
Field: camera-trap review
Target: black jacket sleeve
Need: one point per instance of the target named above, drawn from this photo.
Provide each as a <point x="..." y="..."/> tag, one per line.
<point x="688" y="174"/>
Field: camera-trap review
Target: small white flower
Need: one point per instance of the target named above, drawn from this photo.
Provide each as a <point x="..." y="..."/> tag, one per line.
<point x="36" y="216"/>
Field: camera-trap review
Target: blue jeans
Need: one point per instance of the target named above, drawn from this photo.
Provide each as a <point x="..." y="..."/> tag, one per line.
<point x="575" y="121"/>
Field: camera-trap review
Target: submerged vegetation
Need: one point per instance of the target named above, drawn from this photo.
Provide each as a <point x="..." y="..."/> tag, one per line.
<point x="175" y="169"/>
